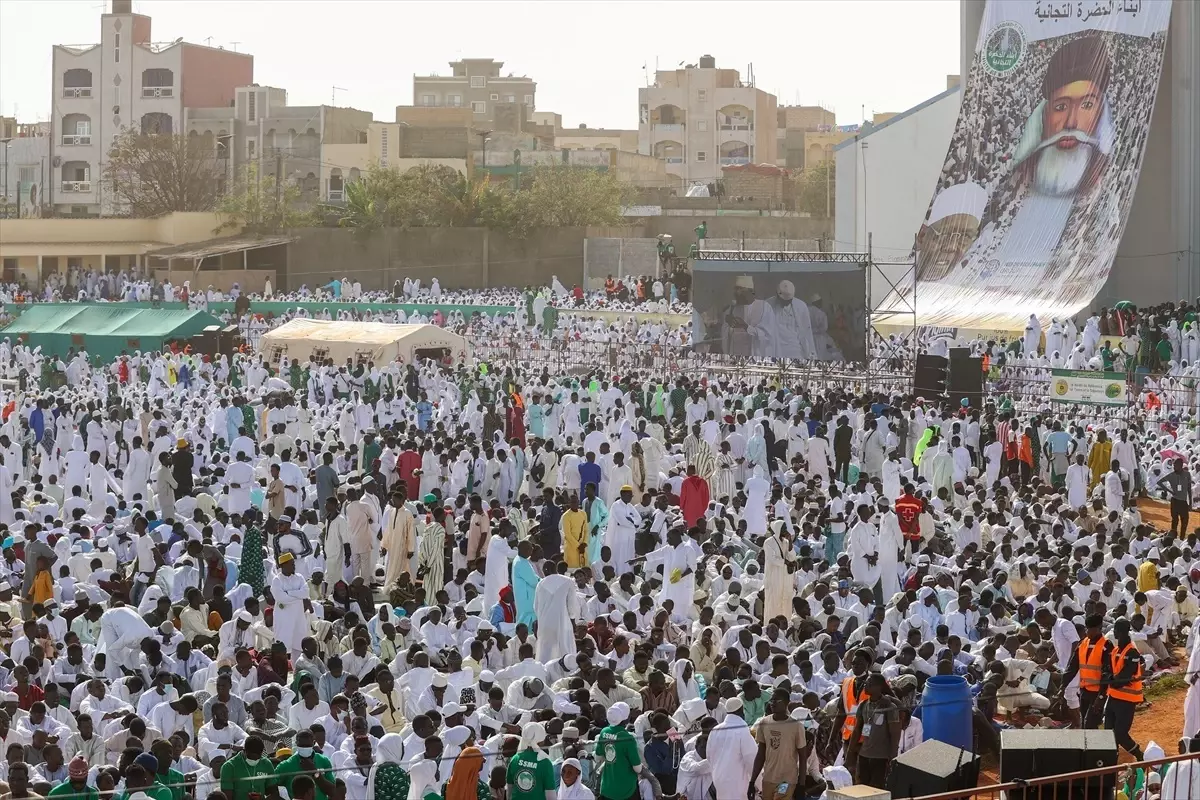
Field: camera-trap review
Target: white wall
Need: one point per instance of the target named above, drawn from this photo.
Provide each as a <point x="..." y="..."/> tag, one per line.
<point x="886" y="178"/>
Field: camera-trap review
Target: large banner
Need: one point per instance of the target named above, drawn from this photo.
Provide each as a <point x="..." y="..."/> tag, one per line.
<point x="1036" y="188"/>
<point x="1093" y="388"/>
<point x="779" y="310"/>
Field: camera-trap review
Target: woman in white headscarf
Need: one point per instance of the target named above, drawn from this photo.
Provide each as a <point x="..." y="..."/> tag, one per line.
<point x="388" y="779"/>
<point x="572" y="787"/>
<point x="422" y="780"/>
<point x="454" y="740"/>
<point x="686" y="686"/>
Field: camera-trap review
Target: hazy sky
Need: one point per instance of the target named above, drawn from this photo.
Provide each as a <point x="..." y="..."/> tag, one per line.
<point x="587" y="58"/>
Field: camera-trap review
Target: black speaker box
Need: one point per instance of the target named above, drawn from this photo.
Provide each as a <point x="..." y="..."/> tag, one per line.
<point x="1043" y="753"/>
<point x="929" y="379"/>
<point x="933" y="767"/>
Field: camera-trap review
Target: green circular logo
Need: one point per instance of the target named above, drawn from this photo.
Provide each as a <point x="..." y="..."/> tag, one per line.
<point x="1004" y="48"/>
<point x="525" y="780"/>
<point x="610" y="753"/>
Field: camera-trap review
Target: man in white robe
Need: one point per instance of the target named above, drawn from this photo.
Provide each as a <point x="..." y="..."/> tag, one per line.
<point x="778" y="587"/>
<point x="678" y="558"/>
<point x="499" y="554"/>
<point x="122" y="630"/>
<point x="556" y="606"/>
<point x="864" y="553"/>
<point x="623" y="522"/>
<point x="891" y="541"/>
<point x="292" y="606"/>
<point x="136" y="478"/>
<point x="1077" y="483"/>
<point x="99" y="483"/>
<point x="731" y="752"/>
<point x="399" y="539"/>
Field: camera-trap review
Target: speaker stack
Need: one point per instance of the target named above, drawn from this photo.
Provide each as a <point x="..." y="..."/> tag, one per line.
<point x="933" y="767"/>
<point x="1043" y="753"/>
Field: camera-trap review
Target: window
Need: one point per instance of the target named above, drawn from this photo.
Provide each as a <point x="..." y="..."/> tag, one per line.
<point x="83" y="127"/>
<point x="478" y="107"/>
<point x="478" y="81"/>
<point x="429" y="99"/>
<point x="701" y="155"/>
<point x="510" y="98"/>
<point x="528" y="99"/>
<point x="454" y="100"/>
<point x="117" y="50"/>
<point x="251" y="98"/>
<point x="702" y="95"/>
<point x="495" y="97"/>
<point x="27" y="175"/>
<point x="701" y="125"/>
<point x="251" y="147"/>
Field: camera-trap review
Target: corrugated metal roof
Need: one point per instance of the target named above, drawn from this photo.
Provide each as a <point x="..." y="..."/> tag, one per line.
<point x="219" y="247"/>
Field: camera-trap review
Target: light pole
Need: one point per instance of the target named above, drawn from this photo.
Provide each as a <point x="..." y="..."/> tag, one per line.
<point x="7" y="144"/>
<point x="484" y="138"/>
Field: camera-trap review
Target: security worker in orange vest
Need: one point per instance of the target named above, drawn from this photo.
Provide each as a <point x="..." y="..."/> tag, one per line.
<point x="1124" y="688"/>
<point x="854" y="691"/>
<point x="1091" y="661"/>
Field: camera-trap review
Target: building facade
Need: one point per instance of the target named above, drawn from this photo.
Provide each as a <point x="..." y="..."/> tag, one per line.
<point x="262" y="130"/>
<point x="475" y="84"/>
<point x="127" y="82"/>
<point x="700" y="118"/>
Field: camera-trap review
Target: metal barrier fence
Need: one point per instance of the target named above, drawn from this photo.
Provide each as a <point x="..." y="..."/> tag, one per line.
<point x="1177" y="783"/>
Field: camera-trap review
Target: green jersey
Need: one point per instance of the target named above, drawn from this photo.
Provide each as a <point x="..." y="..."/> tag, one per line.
<point x="618" y="751"/>
<point x="531" y="775"/>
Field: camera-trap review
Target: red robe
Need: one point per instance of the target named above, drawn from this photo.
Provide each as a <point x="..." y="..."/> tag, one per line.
<point x="515" y="427"/>
<point x="408" y="461"/>
<point x="693" y="499"/>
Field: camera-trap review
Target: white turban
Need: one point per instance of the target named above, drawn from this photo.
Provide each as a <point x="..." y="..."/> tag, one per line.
<point x="618" y="713"/>
<point x="532" y="736"/>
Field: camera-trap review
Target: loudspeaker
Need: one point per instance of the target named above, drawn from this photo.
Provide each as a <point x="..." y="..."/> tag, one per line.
<point x="933" y="767"/>
<point x="1043" y="753"/>
<point x="966" y="379"/>
<point x="931" y="376"/>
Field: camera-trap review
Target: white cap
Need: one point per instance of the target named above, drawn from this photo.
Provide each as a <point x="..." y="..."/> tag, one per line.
<point x="439" y="680"/>
<point x="962" y="198"/>
<point x="733" y="704"/>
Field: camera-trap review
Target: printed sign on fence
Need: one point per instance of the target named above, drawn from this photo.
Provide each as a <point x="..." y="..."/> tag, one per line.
<point x="1082" y="386"/>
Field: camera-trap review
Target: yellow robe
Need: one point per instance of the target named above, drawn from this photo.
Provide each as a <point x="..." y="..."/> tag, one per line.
<point x="1099" y="461"/>
<point x="575" y="532"/>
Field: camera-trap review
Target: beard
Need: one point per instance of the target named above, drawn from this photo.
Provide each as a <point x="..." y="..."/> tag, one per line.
<point x="1059" y="173"/>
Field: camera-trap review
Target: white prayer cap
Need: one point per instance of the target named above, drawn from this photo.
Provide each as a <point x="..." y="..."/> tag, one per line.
<point x="733" y="704"/>
<point x="618" y="713"/>
<point x="487" y="676"/>
<point x="439" y="680"/>
<point x="9" y="697"/>
<point x="962" y="198"/>
<point x="1153" y="554"/>
<point x="451" y="708"/>
<point x="243" y="616"/>
<point x="570" y="662"/>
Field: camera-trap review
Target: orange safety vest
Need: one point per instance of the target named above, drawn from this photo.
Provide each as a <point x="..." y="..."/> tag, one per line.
<point x="850" y="703"/>
<point x="1090" y="664"/>
<point x="1131" y="692"/>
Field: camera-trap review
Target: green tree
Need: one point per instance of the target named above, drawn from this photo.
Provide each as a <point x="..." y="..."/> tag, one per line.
<point x="816" y="188"/>
<point x="566" y="196"/>
<point x="153" y="174"/>
<point x="261" y="204"/>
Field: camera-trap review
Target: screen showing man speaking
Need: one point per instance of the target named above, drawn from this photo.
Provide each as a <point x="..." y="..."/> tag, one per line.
<point x="779" y="310"/>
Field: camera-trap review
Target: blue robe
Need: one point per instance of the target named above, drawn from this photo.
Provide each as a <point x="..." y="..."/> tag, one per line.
<point x="537" y="421"/>
<point x="524" y="582"/>
<point x="598" y="522"/>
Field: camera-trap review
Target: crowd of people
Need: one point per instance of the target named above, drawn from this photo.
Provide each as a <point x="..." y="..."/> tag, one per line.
<point x="247" y="576"/>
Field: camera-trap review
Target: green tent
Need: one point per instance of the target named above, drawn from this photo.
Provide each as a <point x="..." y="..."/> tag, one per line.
<point x="104" y="330"/>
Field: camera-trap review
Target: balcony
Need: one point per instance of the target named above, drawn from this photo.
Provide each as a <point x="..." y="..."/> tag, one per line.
<point x="153" y="92"/>
<point x="674" y="159"/>
<point x="337" y="195"/>
<point x="76" y="140"/>
<point x="70" y="92"/>
<point x="734" y="161"/>
<point x="663" y="128"/>
<point x="736" y="126"/>
<point x="77" y="186"/>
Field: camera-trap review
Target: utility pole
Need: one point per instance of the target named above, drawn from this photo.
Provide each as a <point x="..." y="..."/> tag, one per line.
<point x="279" y="189"/>
<point x="828" y="167"/>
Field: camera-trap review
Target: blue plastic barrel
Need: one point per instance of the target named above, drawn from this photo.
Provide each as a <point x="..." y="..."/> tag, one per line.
<point x="946" y="711"/>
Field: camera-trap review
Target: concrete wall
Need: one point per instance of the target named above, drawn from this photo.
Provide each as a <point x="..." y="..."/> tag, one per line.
<point x="30" y="236"/>
<point x="457" y="257"/>
<point x="248" y="280"/>
<point x="682" y="228"/>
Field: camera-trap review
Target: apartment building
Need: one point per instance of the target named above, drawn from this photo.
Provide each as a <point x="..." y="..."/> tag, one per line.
<point x="700" y="118"/>
<point x="260" y="128"/>
<point x="475" y="84"/>
<point x="126" y="82"/>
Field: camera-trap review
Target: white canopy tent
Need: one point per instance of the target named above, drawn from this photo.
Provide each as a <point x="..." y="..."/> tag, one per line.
<point x="379" y="342"/>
